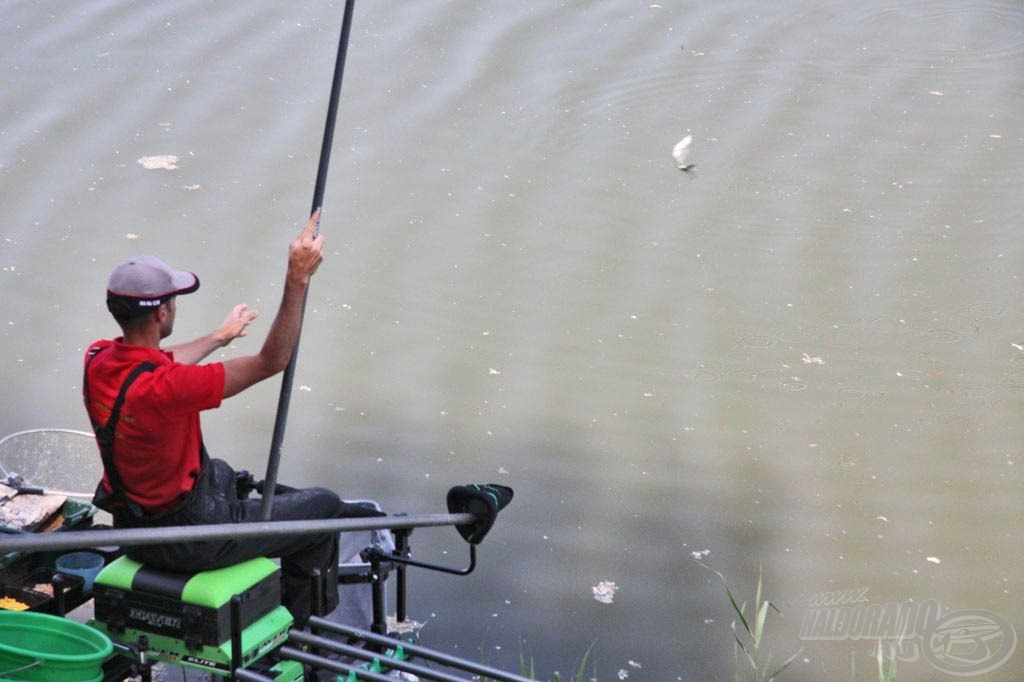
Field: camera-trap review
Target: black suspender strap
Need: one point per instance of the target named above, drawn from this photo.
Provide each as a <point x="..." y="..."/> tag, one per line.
<point x="105" y="432"/>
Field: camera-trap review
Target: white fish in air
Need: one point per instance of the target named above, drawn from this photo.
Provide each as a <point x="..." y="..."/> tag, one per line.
<point x="681" y="151"/>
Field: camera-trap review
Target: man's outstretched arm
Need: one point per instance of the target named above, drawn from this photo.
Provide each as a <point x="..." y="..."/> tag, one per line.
<point x="234" y="326"/>
<point x="304" y="257"/>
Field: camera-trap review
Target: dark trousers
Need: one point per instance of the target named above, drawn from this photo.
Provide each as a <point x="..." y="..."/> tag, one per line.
<point x="215" y="500"/>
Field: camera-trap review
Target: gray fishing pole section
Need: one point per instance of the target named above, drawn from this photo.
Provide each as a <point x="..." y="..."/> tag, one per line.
<point x="274" y="461"/>
<point x="135" y="537"/>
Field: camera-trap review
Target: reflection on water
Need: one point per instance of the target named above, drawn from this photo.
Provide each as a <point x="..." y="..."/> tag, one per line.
<point x="800" y="359"/>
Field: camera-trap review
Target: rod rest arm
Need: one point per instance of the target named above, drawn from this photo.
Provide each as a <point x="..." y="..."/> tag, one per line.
<point x="372" y="554"/>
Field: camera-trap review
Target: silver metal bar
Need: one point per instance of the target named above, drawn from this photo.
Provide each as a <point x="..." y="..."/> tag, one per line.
<point x="134" y="537"/>
<point x="356" y="652"/>
<point x="307" y="658"/>
<point x="249" y="676"/>
<point x="485" y="671"/>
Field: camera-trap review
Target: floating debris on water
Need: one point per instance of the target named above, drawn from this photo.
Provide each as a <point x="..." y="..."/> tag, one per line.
<point x="934" y="559"/>
<point x="162" y="162"/>
<point x="681" y="151"/>
<point x="604" y="591"/>
<point x="131" y="235"/>
<point x="700" y="554"/>
<point x="935" y="92"/>
<point x="502" y="470"/>
<point x="493" y="371"/>
<point x="404" y="627"/>
<point x="623" y="673"/>
<point x="191" y="188"/>
<point x="812" y="360"/>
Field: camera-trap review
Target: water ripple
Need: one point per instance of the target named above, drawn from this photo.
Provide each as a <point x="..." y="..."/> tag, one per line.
<point x="943" y="335"/>
<point x="986" y="309"/>
<point x="796" y="335"/>
<point x="888" y="325"/>
<point x="977" y="392"/>
<point x="745" y="376"/>
<point x="849" y="394"/>
<point x="963" y="33"/>
<point x="794" y="385"/>
<point x="757" y="341"/>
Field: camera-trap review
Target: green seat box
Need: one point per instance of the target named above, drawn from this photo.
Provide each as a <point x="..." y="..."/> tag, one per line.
<point x="192" y="607"/>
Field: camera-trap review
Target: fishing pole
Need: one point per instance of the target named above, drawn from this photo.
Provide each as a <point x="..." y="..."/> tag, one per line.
<point x="274" y="461"/>
<point x="155" y="535"/>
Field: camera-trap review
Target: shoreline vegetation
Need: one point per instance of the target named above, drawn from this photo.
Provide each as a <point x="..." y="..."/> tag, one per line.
<point x="748" y="636"/>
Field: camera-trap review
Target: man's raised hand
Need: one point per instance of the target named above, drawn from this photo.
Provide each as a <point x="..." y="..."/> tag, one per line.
<point x="235" y="324"/>
<point x="307" y="251"/>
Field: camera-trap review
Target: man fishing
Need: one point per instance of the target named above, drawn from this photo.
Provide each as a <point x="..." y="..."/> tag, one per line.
<point x="144" y="403"/>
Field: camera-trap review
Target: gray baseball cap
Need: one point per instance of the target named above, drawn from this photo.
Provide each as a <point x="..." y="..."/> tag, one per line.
<point x="138" y="285"/>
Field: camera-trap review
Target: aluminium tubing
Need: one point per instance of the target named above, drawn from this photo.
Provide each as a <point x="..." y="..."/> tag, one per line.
<point x="134" y="537"/>
<point x="307" y="658"/>
<point x="323" y="643"/>
<point x="250" y="676"/>
<point x="416" y="650"/>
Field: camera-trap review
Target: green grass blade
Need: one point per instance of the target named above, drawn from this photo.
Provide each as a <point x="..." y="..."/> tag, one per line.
<point x="581" y="671"/>
<point x="743" y="648"/>
<point x="736" y="636"/>
<point x="732" y="600"/>
<point x="739" y="642"/>
<point x="760" y="588"/>
<point x="762" y="614"/>
<point x="785" y="665"/>
<point x="527" y="668"/>
<point x="886" y="666"/>
<point x="737" y="609"/>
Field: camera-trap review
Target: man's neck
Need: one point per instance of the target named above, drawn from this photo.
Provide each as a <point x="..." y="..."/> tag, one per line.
<point x="147" y="336"/>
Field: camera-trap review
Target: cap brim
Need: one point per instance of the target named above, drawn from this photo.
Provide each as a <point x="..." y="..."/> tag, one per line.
<point x="184" y="282"/>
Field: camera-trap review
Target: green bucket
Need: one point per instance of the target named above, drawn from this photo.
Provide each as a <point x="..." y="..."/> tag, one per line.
<point x="43" y="648"/>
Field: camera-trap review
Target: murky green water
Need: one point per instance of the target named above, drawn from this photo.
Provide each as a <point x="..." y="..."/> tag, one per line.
<point x="799" y="359"/>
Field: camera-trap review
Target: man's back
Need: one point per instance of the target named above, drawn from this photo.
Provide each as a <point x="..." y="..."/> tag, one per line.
<point x="158" y="438"/>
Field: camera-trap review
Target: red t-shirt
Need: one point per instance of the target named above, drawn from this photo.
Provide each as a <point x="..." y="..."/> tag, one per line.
<point x="158" y="438"/>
